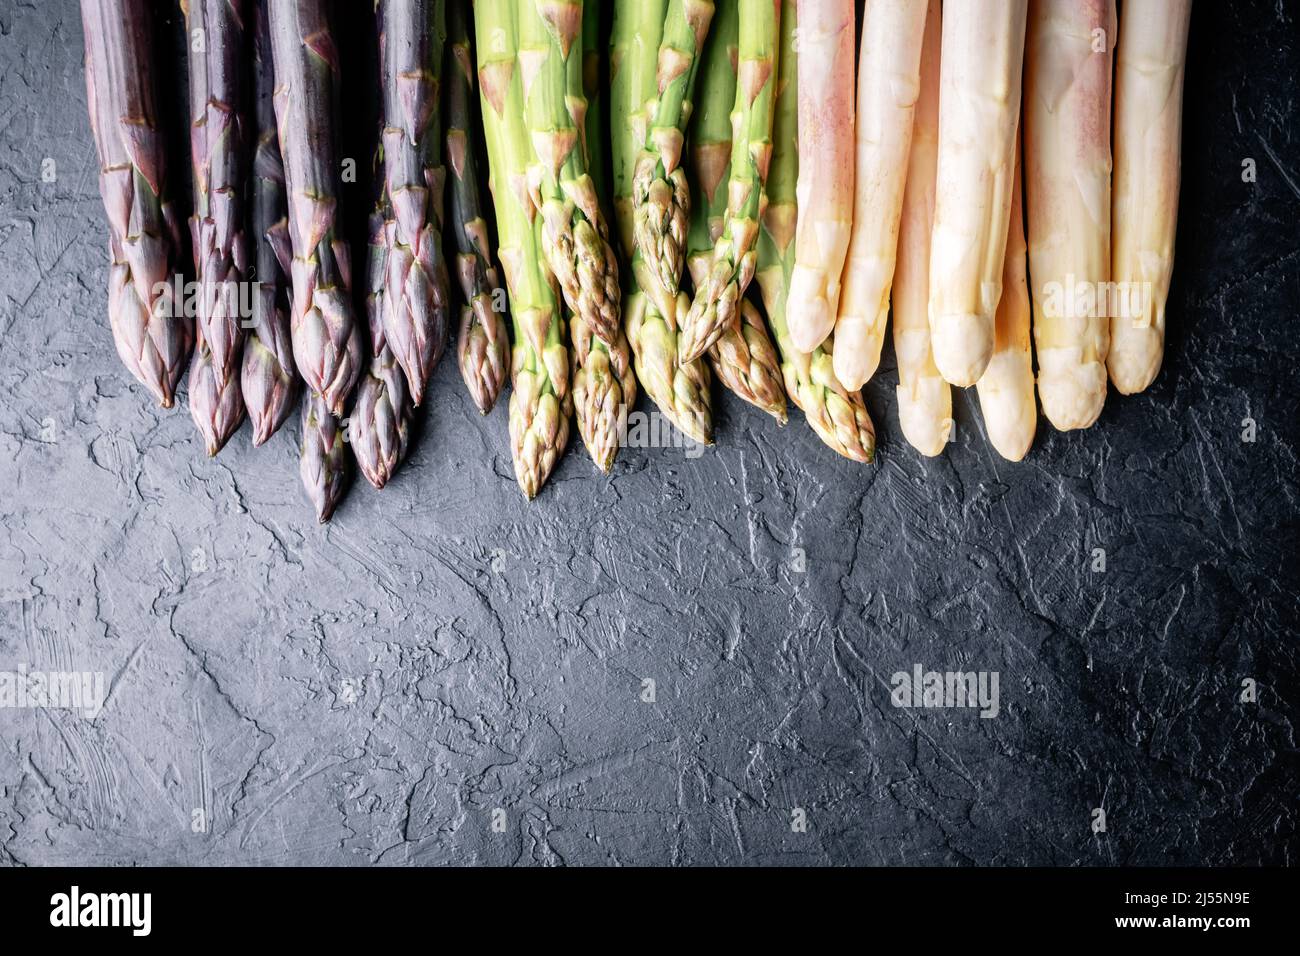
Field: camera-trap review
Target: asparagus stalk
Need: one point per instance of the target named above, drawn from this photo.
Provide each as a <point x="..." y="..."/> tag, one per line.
<point x="924" y="398"/>
<point x="660" y="192"/>
<point x="327" y="346"/>
<point x="1148" y="131"/>
<point x="826" y="173"/>
<point x="979" y="112"/>
<point x="380" y="422"/>
<point x="540" y="402"/>
<point x="323" y="459"/>
<point x="1067" y="179"/>
<point x="483" y="343"/>
<point x="718" y="291"/>
<point x="892" y="33"/>
<point x="679" y="389"/>
<point x="153" y="340"/>
<point x="837" y="416"/>
<point x="268" y="381"/>
<point x="1006" y="389"/>
<point x="742" y="355"/>
<point x="604" y="388"/>
<point x="412" y="34"/>
<point x="575" y="236"/>
<point x="217" y="409"/>
<point x="218" y="127"/>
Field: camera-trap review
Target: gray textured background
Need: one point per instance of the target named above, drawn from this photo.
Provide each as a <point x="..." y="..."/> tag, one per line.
<point x="499" y="648"/>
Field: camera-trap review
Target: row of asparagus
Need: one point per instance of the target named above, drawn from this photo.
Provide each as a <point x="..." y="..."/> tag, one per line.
<point x="685" y="142"/>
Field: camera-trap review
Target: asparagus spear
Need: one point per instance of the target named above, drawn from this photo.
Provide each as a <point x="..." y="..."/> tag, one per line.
<point x="327" y="346"/>
<point x="217" y="409"/>
<point x="412" y="34"/>
<point x="825" y="189"/>
<point x="837" y="415"/>
<point x="924" y="398"/>
<point x="540" y="403"/>
<point x="483" y="344"/>
<point x="1148" y="131"/>
<point x="153" y="340"/>
<point x="268" y="381"/>
<point x="604" y="388"/>
<point x="680" y="390"/>
<point x="660" y="192"/>
<point x="741" y="355"/>
<point x="718" y="291"/>
<point x="323" y="460"/>
<point x="218" y="126"/>
<point x="1067" y="173"/>
<point x="979" y="112"/>
<point x="576" y="240"/>
<point x="1006" y="389"/>
<point x="892" y="31"/>
<point x="380" y="422"/>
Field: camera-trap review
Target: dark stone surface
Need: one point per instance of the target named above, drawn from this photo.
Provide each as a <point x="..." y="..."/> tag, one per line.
<point x="498" y="649"/>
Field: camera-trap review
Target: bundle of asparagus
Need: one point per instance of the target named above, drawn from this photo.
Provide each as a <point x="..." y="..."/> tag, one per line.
<point x="728" y="153"/>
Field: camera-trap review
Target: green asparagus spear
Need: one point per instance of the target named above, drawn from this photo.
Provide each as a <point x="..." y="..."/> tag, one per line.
<point x="718" y="292"/>
<point x="660" y="192"/>
<point x="838" y="416"/>
<point x="680" y="390"/>
<point x="576" y="240"/>
<point x="604" y="388"/>
<point x="742" y="356"/>
<point x="483" y="344"/>
<point x="540" y="402"/>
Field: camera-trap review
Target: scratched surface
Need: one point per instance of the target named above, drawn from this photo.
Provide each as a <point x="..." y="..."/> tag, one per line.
<point x="373" y="691"/>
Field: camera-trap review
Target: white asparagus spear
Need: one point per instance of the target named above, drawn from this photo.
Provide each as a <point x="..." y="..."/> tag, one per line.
<point x="888" y="79"/>
<point x="1148" y="130"/>
<point x="1068" y="50"/>
<point x="924" y="398"/>
<point x="979" y="112"/>
<point x="1006" y="389"/>
<point x="825" y="186"/>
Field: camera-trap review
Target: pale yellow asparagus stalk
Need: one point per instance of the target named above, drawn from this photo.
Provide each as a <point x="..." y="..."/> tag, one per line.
<point x="825" y="186"/>
<point x="979" y="112"/>
<point x="1148" y="130"/>
<point x="1006" y="389"/>
<point x="1068" y="48"/>
<point x="924" y="398"/>
<point x="888" y="79"/>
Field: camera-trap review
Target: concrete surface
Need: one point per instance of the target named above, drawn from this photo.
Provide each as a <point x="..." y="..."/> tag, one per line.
<point x="446" y="674"/>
